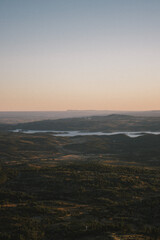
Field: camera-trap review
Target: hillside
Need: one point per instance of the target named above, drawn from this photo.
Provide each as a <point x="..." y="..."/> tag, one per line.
<point x="31" y="116"/>
<point x="90" y="187"/>
<point x="100" y="123"/>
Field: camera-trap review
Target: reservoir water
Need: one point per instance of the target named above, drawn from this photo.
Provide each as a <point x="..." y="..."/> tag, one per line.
<point x="80" y="133"/>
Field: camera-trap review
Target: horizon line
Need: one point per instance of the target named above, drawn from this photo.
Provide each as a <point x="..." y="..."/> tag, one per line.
<point x="72" y="110"/>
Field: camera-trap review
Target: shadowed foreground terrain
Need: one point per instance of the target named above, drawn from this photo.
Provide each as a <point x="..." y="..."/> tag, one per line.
<point x="88" y="187"/>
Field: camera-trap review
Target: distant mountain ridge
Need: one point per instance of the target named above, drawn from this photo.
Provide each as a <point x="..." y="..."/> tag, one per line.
<point x="113" y="122"/>
<point x="31" y="116"/>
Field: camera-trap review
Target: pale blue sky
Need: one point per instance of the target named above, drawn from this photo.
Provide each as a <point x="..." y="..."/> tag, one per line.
<point x="79" y="54"/>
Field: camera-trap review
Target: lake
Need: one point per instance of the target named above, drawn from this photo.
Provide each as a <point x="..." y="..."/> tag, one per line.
<point x="80" y="133"/>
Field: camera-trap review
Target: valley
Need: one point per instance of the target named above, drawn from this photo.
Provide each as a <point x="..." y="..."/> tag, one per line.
<point x="80" y="187"/>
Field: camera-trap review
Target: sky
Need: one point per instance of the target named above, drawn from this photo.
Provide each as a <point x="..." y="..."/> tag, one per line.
<point x="79" y="55"/>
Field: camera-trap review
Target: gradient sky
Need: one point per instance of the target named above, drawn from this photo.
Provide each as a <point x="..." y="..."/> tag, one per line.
<point x="79" y="54"/>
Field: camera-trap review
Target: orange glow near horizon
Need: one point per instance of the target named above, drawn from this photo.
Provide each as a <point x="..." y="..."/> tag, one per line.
<point x="59" y="60"/>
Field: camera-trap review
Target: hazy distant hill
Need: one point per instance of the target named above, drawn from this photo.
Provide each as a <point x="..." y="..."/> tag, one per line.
<point x="19" y="117"/>
<point x="112" y="122"/>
